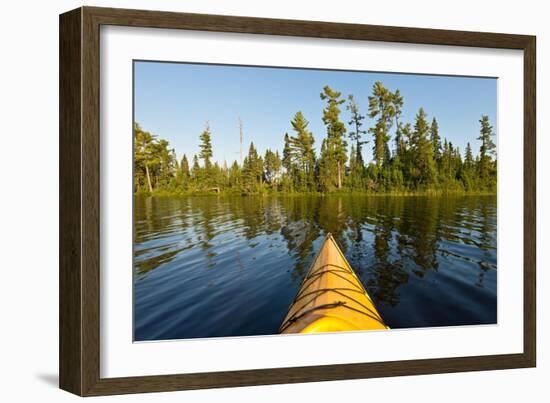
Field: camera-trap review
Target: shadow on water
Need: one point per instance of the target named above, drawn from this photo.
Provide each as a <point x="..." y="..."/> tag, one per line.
<point x="227" y="266"/>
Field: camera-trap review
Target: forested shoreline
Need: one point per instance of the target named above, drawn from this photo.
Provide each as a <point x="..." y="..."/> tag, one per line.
<point x="407" y="157"/>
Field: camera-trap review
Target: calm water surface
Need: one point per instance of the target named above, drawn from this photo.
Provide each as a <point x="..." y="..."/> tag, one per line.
<point x="230" y="266"/>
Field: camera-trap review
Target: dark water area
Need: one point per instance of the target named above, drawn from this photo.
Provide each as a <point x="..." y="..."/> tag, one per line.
<point x="216" y="266"/>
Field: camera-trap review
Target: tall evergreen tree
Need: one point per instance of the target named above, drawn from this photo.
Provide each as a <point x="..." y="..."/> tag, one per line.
<point x="252" y="170"/>
<point x="381" y="106"/>
<point x="184" y="167"/>
<point x="397" y="106"/>
<point x="287" y="165"/>
<point x="287" y="155"/>
<point x="424" y="173"/>
<point x="445" y="161"/>
<point x="145" y="158"/>
<point x="469" y="158"/>
<point x="272" y="167"/>
<point x="355" y="135"/>
<point x="335" y="147"/>
<point x="487" y="149"/>
<point x="182" y="174"/>
<point x="206" y="147"/>
<point x="436" y="140"/>
<point x="325" y="168"/>
<point x="235" y="176"/>
<point x="196" y="167"/>
<point x="165" y="171"/>
<point x="467" y="171"/>
<point x="404" y="157"/>
<point x="302" y="151"/>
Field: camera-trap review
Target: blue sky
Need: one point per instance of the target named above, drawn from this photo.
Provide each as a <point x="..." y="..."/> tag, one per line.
<point x="175" y="100"/>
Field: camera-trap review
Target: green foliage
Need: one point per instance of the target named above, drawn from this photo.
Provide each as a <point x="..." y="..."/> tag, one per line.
<point x="252" y="171"/>
<point x="385" y="106"/>
<point x="421" y="160"/>
<point x="334" y="156"/>
<point x="154" y="163"/>
<point x="302" y="154"/>
<point x="487" y="167"/>
<point x="356" y="133"/>
<point x="424" y="172"/>
<point x="357" y="165"/>
<point x="436" y="140"/>
<point x="272" y="168"/>
<point x="183" y="174"/>
<point x="206" y="146"/>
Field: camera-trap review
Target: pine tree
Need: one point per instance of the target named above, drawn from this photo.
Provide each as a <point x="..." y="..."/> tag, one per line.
<point x="468" y="170"/>
<point x="287" y="155"/>
<point x="235" y="176"/>
<point x="404" y="151"/>
<point x="165" y="171"/>
<point x="424" y="172"/>
<point x="302" y="152"/>
<point x="382" y="107"/>
<point x="399" y="142"/>
<point x="486" y="151"/>
<point x="252" y="170"/>
<point x="184" y="167"/>
<point x="356" y="133"/>
<point x="397" y="105"/>
<point x="272" y="167"/>
<point x="468" y="158"/>
<point x="196" y="170"/>
<point x="287" y="165"/>
<point x="445" y="162"/>
<point x="206" y="147"/>
<point x="145" y="158"/>
<point x="436" y="140"/>
<point x="326" y="168"/>
<point x="335" y="147"/>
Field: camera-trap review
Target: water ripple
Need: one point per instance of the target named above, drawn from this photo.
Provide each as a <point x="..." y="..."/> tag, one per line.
<point x="227" y="266"/>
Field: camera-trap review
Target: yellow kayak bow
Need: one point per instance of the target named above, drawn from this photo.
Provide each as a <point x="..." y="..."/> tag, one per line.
<point x="331" y="297"/>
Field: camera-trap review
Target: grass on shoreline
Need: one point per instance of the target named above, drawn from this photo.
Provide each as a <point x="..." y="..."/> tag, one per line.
<point x="431" y="193"/>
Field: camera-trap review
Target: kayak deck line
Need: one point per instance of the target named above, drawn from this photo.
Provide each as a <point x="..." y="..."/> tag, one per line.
<point x="331" y="297"/>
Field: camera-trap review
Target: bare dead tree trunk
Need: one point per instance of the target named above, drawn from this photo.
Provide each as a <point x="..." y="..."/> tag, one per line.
<point x="241" y="139"/>
<point x="148" y="178"/>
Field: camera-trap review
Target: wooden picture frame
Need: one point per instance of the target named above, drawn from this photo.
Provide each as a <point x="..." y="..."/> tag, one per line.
<point x="80" y="199"/>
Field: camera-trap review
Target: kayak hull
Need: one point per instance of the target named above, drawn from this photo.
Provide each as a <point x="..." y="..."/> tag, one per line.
<point x="331" y="298"/>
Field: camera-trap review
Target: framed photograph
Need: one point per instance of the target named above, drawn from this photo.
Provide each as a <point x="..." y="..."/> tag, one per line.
<point x="249" y="201"/>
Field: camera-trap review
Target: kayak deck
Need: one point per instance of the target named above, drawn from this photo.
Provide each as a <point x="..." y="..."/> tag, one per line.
<point x="331" y="297"/>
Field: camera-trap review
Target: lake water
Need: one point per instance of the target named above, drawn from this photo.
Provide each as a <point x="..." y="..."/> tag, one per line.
<point x="215" y="266"/>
